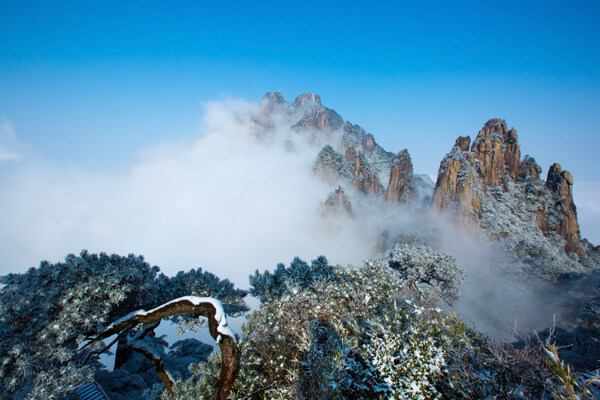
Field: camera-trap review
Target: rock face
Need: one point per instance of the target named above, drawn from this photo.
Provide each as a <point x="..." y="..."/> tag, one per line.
<point x="498" y="153"/>
<point x="475" y="180"/>
<point x="315" y="117"/>
<point x="331" y="165"/>
<point x="463" y="143"/>
<point x="363" y="178"/>
<point x="529" y="168"/>
<point x="305" y="115"/>
<point x="561" y="184"/>
<point x="307" y="99"/>
<point x="457" y="184"/>
<point x="337" y="203"/>
<point x="272" y="98"/>
<point x="402" y="186"/>
<point x="374" y="156"/>
<point x="492" y="173"/>
<point x="359" y="161"/>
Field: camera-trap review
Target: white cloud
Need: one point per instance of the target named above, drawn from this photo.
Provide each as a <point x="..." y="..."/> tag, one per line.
<point x="232" y="204"/>
<point x="224" y="202"/>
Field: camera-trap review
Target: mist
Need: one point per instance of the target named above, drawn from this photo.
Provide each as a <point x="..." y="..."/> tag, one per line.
<point x="231" y="201"/>
<point x="224" y="201"/>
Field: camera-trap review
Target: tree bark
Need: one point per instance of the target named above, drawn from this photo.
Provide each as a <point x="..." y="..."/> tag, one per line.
<point x="218" y="329"/>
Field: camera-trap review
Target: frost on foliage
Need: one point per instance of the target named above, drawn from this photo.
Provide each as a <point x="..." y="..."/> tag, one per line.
<point x="332" y="166"/>
<point x="424" y="265"/>
<point x="405" y="353"/>
<point x="299" y="275"/>
<point x="509" y="217"/>
<point x="47" y="313"/>
<point x="338" y="333"/>
<point x="378" y="160"/>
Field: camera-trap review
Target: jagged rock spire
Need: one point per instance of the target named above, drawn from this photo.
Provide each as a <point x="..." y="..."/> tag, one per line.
<point x="529" y="168"/>
<point x="497" y="149"/>
<point x="337" y="203"/>
<point x="466" y="177"/>
<point x="561" y="184"/>
<point x="402" y="186"/>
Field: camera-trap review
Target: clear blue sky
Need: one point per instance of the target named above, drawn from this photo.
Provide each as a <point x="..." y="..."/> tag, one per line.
<point x="89" y="83"/>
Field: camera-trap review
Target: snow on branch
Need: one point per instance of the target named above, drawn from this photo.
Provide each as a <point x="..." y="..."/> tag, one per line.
<point x="199" y="306"/>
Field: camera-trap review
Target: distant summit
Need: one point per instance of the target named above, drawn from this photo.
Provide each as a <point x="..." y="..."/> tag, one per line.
<point x="485" y="185"/>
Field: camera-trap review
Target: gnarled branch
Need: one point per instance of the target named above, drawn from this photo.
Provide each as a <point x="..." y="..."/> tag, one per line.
<point x="217" y="326"/>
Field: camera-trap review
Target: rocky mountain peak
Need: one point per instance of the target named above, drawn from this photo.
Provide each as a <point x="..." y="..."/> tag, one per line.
<point x="337" y="203"/>
<point x="560" y="184"/>
<point x="495" y="125"/>
<point x="491" y="176"/>
<point x="273" y="98"/>
<point x="315" y="117"/>
<point x="498" y="152"/>
<point x="307" y="99"/>
<point x="402" y="186"/>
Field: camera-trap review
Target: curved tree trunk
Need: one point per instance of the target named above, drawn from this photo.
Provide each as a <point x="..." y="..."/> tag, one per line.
<point x="217" y="325"/>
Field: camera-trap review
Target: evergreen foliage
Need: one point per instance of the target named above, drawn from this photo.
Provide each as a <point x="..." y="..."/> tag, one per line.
<point x="366" y="332"/>
<point x="298" y="276"/>
<point x="49" y="312"/>
<point x="321" y="332"/>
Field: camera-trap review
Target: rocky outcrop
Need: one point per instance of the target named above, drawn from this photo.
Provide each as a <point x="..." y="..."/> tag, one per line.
<point x="529" y="168"/>
<point x="361" y="163"/>
<point x="492" y="172"/>
<point x="271" y="103"/>
<point x="331" y="165"/>
<point x="497" y="150"/>
<point x="307" y="99"/>
<point x="456" y="185"/>
<point x="353" y="168"/>
<point x="369" y="143"/>
<point x="338" y="203"/>
<point x="463" y="143"/>
<point x="401" y="187"/>
<point x="560" y="184"/>
<point x="305" y="114"/>
<point x="270" y="99"/>
<point x="372" y="155"/>
<point x="315" y="117"/>
<point x="363" y="178"/>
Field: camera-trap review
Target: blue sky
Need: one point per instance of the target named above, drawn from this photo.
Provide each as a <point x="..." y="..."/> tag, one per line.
<point x="116" y="75"/>
<point x="86" y="85"/>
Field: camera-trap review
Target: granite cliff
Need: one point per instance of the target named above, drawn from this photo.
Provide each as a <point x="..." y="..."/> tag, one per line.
<point x="484" y="184"/>
<point x="473" y="180"/>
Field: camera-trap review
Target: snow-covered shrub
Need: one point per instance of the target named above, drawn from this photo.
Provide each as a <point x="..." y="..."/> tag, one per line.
<point x="403" y="348"/>
<point x="423" y="265"/>
<point x="298" y="276"/>
<point x="526" y="368"/>
<point x="48" y="313"/>
<point x="368" y="332"/>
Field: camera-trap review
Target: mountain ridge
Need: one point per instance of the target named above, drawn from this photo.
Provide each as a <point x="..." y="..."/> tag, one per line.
<point x="484" y="187"/>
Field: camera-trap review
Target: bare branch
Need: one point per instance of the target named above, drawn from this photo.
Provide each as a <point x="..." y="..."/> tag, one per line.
<point x="159" y="365"/>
